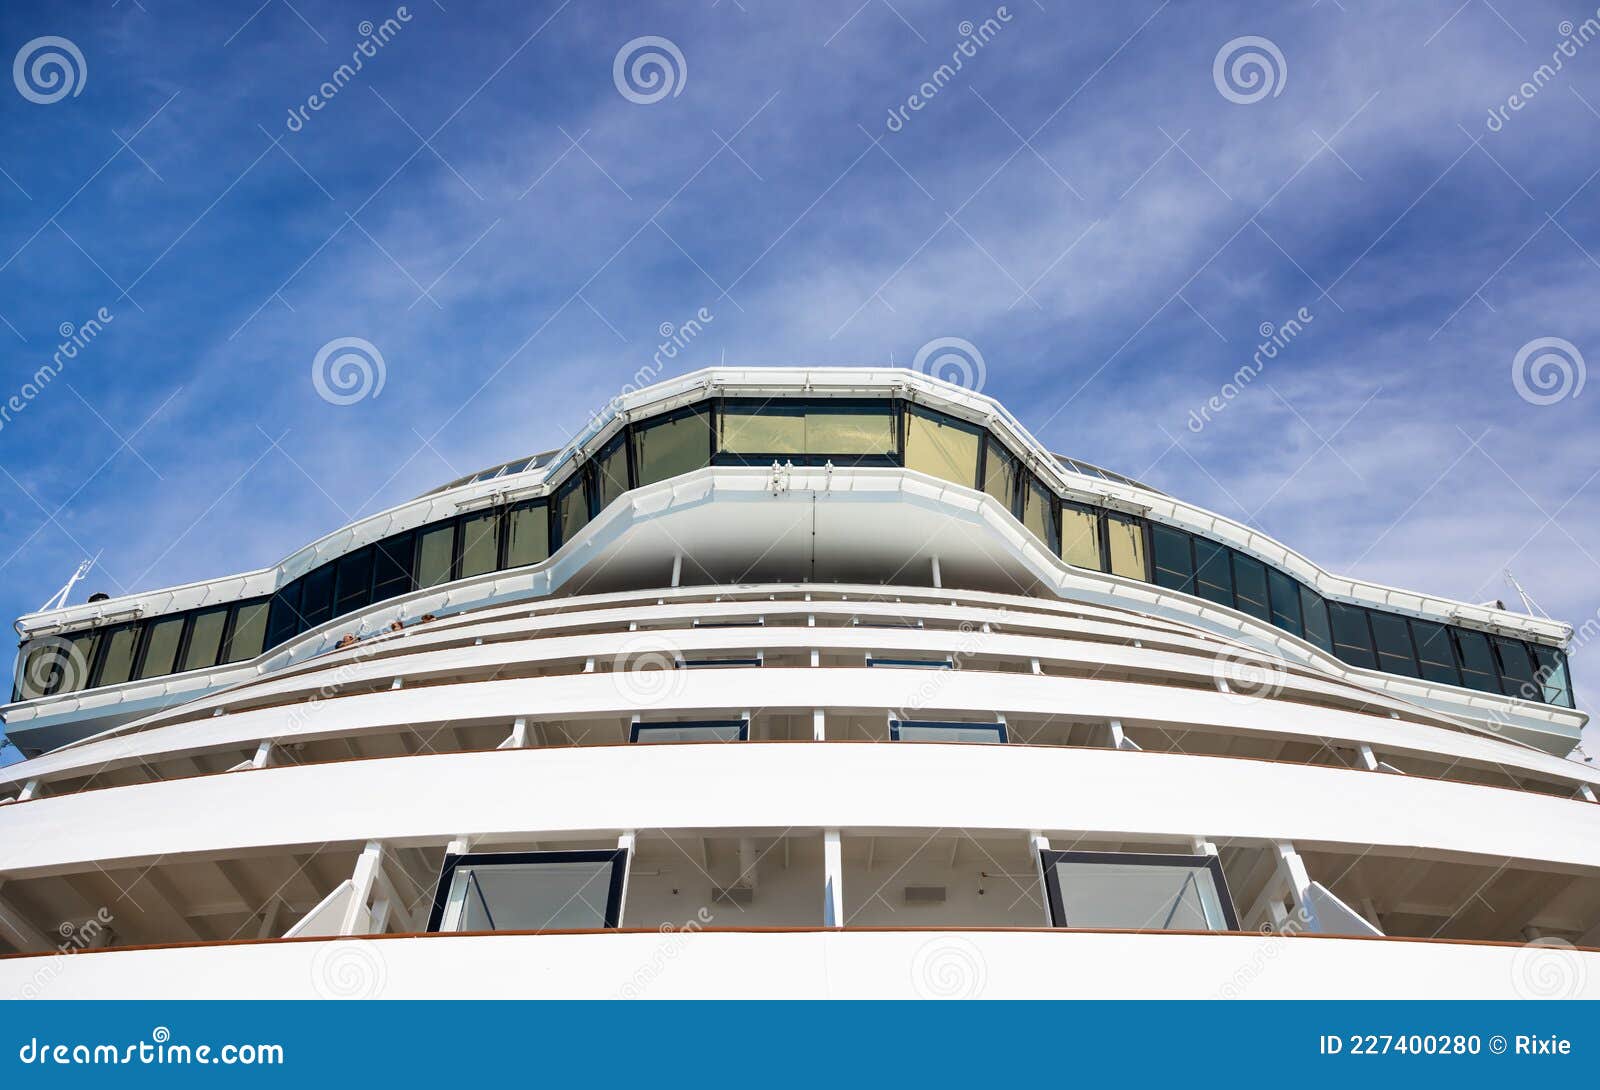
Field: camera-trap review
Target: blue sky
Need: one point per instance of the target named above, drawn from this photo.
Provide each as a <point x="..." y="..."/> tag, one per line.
<point x="1080" y="201"/>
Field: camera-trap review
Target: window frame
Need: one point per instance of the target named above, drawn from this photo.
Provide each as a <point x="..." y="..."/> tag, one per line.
<point x="617" y="857"/>
<point x="800" y="406"/>
<point x="1002" y="736"/>
<point x="635" y="730"/>
<point x="1049" y="857"/>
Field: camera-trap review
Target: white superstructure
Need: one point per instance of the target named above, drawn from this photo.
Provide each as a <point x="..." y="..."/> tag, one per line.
<point x="796" y="682"/>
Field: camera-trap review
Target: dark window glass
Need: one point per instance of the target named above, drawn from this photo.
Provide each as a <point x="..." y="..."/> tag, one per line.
<point x="391" y="566"/>
<point x="572" y="507"/>
<point x="1174" y="558"/>
<point x="353" y="586"/>
<point x="1435" y="654"/>
<point x="283" y="618"/>
<point x="1314" y="612"/>
<point x="1477" y="661"/>
<point x="1516" y="669"/>
<point x="116" y="661"/>
<point x="316" y="597"/>
<point x="1213" y="572"/>
<point x="248" y="636"/>
<point x="1080" y="537"/>
<point x="671" y="446"/>
<point x="205" y="638"/>
<point x="56" y="664"/>
<point x="1039" y="514"/>
<point x="435" y="554"/>
<point x="1250" y="586"/>
<point x="527" y="534"/>
<point x="161" y="647"/>
<point x="611" y="471"/>
<point x="1553" y="675"/>
<point x="1352" y="639"/>
<point x="480" y="543"/>
<point x="1285" y="593"/>
<point x="1000" y="479"/>
<point x="1125" y="538"/>
<point x="1392" y="638"/>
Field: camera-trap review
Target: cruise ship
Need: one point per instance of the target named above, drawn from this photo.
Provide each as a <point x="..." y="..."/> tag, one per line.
<point x="796" y="682"/>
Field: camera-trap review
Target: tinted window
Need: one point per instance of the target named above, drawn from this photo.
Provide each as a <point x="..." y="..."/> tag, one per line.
<point x="1435" y="654"/>
<point x="1250" y="586"/>
<point x="1000" y="479"/>
<point x="527" y="534"/>
<point x="780" y="429"/>
<point x="611" y="471"/>
<point x="1080" y="537"/>
<point x="1173" y="557"/>
<point x="353" y="584"/>
<point x="1314" y="613"/>
<point x="480" y="543"/>
<point x="248" y="638"/>
<point x="205" y="638"/>
<point x="161" y="647"/>
<point x="1285" y="595"/>
<point x="435" y="548"/>
<point x="1352" y="640"/>
<point x="1039" y="514"/>
<point x="1391" y="635"/>
<point x="1213" y="572"/>
<point x="940" y="447"/>
<point x="666" y="448"/>
<point x="1516" y="669"/>
<point x="116" y="663"/>
<point x="1125" y="539"/>
<point x="572" y="505"/>
<point x="316" y="597"/>
<point x="391" y="566"/>
<point x="283" y="618"/>
<point x="1477" y="661"/>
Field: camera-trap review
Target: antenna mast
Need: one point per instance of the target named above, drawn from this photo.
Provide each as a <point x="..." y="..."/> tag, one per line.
<point x="1529" y="606"/>
<point x="59" y="598"/>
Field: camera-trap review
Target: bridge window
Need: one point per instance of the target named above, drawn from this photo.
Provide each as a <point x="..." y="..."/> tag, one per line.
<point x="480" y="543"/>
<point x="1125" y="543"/>
<point x="247" y="637"/>
<point x="1477" y="661"/>
<point x="527" y="534"/>
<point x="116" y="657"/>
<point x="1174" y="558"/>
<point x="1080" y="537"/>
<point x="670" y="445"/>
<point x="1435" y="655"/>
<point x="942" y="447"/>
<point x="435" y="554"/>
<point x="161" y="647"/>
<point x="205" y="638"/>
<point x="1392" y="636"/>
<point x="1352" y="639"/>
